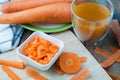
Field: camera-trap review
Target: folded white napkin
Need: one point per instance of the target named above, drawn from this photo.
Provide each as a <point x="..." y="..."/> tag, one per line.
<point x="9" y="35"/>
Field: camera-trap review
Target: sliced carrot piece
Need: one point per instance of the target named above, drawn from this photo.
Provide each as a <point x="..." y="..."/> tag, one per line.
<point x="34" y="74"/>
<point x="12" y="63"/>
<point x="69" y="62"/>
<point x="113" y="49"/>
<point x="110" y="60"/>
<point x="114" y="76"/>
<point x="81" y="75"/>
<point x="83" y="59"/>
<point x="104" y="53"/>
<point x="57" y="68"/>
<point x="10" y="73"/>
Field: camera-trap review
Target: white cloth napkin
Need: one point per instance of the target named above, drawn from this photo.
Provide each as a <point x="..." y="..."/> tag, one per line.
<point x="9" y="35"/>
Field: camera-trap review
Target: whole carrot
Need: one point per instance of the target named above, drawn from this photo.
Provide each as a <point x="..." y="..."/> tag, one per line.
<point x="35" y="74"/>
<point x="19" y="0"/>
<point x="52" y="13"/>
<point x="12" y="63"/>
<point x="10" y="73"/>
<point x="23" y="5"/>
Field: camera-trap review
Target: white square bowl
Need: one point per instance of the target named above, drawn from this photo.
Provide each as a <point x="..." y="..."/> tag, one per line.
<point x="33" y="63"/>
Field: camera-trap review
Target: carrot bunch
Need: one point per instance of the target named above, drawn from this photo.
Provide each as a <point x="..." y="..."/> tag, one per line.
<point x="40" y="50"/>
<point x="30" y="11"/>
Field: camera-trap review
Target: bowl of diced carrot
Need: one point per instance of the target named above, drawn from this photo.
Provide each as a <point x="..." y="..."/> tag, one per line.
<point x="40" y="50"/>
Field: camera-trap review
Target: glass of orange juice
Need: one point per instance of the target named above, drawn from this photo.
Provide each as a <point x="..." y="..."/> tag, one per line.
<point x="91" y="19"/>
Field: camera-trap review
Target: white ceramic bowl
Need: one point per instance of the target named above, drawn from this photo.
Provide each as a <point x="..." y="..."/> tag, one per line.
<point x="35" y="64"/>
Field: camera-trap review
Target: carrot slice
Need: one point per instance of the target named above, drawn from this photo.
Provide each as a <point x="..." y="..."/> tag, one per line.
<point x="35" y="74"/>
<point x="10" y="73"/>
<point x="57" y="67"/>
<point x="104" y="53"/>
<point x="114" y="76"/>
<point x="110" y="60"/>
<point x="81" y="75"/>
<point x="12" y="63"/>
<point x="113" y="49"/>
<point x="69" y="62"/>
<point x="83" y="59"/>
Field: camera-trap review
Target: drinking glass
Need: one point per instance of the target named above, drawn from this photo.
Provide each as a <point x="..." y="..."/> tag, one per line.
<point x="91" y="20"/>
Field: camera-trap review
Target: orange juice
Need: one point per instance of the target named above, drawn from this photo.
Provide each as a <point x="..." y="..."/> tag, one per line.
<point x="89" y="26"/>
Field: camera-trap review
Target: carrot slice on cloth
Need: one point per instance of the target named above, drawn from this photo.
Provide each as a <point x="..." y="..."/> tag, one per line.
<point x="12" y="63"/>
<point x="52" y="13"/>
<point x="110" y="60"/>
<point x="10" y="73"/>
<point x="69" y="62"/>
<point x="104" y="53"/>
<point x="114" y="76"/>
<point x="9" y="7"/>
<point x="34" y="74"/>
<point x="113" y="49"/>
<point x="81" y="75"/>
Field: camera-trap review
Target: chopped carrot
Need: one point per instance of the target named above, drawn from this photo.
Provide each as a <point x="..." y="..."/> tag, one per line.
<point x="57" y="67"/>
<point x="9" y="7"/>
<point x="40" y="50"/>
<point x="113" y="49"/>
<point x="12" y="63"/>
<point x="104" y="53"/>
<point x="110" y="60"/>
<point x="34" y="74"/>
<point x="10" y="73"/>
<point x="114" y="76"/>
<point x="81" y="75"/>
<point x="83" y="59"/>
<point x="69" y="62"/>
<point x="52" y="13"/>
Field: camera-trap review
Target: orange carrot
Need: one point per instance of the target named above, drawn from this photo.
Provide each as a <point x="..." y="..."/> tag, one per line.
<point x="113" y="49"/>
<point x="35" y="74"/>
<point x="19" y="0"/>
<point x="69" y="62"/>
<point x="10" y="73"/>
<point x="57" y="67"/>
<point x="104" y="53"/>
<point x="40" y="50"/>
<point x="9" y="7"/>
<point x="12" y="63"/>
<point x="114" y="76"/>
<point x="116" y="30"/>
<point x="83" y="59"/>
<point x="53" y="13"/>
<point x="81" y="75"/>
<point x="110" y="60"/>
